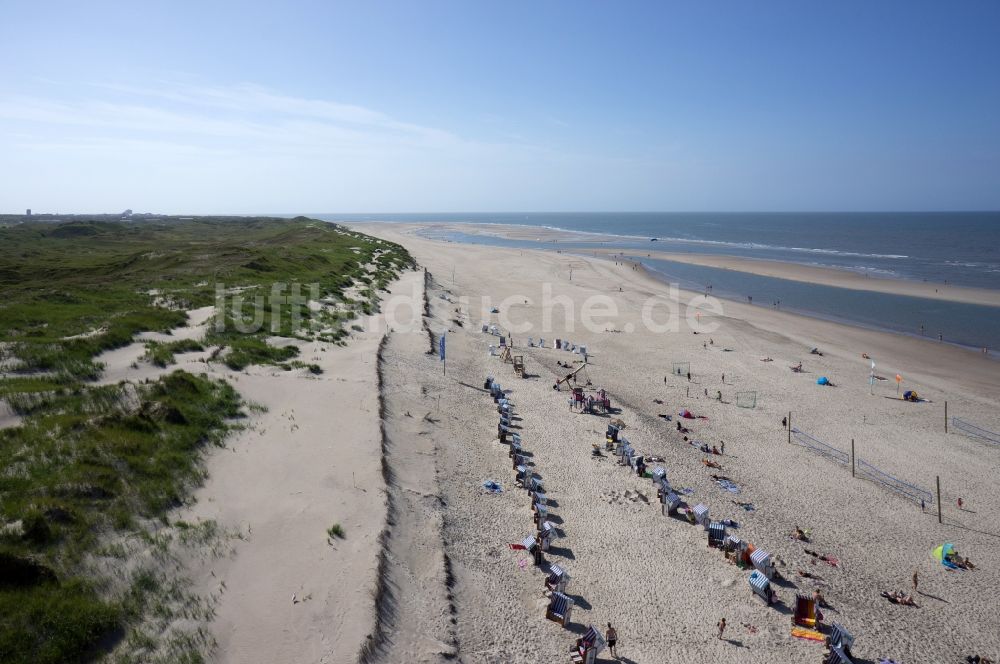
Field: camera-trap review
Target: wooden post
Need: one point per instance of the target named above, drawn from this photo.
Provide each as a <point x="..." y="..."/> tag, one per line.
<point x="852" y="458"/>
<point x="789" y="427"/>
<point x="939" y="497"/>
<point x="946" y="417"/>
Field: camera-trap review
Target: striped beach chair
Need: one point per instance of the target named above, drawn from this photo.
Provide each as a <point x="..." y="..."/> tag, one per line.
<point x="557" y="580"/>
<point x="805" y="612"/>
<point x="716" y="534"/>
<point x="515" y="446"/>
<point x="533" y="484"/>
<point x="671" y="501"/>
<point x="521" y="475"/>
<point x="701" y="515"/>
<point x="538" y="497"/>
<point x="592" y="644"/>
<point x="736" y="551"/>
<point x="546" y="533"/>
<point x="761" y="587"/>
<point x="762" y="562"/>
<point x="838" y="655"/>
<point x="840" y="637"/>
<point x="541" y="512"/>
<point x="560" y="609"/>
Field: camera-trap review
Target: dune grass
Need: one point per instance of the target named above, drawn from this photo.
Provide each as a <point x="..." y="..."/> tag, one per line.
<point x="93" y="465"/>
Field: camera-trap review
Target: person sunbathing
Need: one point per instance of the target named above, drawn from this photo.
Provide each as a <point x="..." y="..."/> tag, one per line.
<point x="899" y="597"/>
<point x="711" y="464"/>
<point x="964" y="563"/>
<point x="715" y="450"/>
<point x="800" y="535"/>
<point x="809" y="575"/>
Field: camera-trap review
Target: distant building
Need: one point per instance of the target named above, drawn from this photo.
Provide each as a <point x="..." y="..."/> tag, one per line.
<point x="126" y="214"/>
<point x="28" y="213"/>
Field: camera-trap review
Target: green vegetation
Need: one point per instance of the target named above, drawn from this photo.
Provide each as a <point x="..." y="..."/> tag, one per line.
<point x="162" y="354"/>
<point x="93" y="467"/>
<point x="335" y="531"/>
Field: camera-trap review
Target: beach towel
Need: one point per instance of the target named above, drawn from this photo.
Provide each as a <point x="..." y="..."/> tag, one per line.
<point x="728" y="486"/>
<point x="516" y="547"/>
<point x="809" y="634"/>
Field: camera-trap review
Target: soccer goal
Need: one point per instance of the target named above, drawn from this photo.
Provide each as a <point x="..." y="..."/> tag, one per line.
<point x="682" y="368"/>
<point x="746" y="399"/>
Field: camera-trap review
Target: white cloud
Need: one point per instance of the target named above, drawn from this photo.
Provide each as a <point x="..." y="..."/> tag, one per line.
<point x="244" y="148"/>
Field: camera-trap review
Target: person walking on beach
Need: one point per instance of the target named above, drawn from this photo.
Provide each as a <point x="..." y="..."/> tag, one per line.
<point x="722" y="627"/>
<point x="611" y="636"/>
<point x="722" y="447"/>
<point x="784" y="422"/>
<point x="915" y="580"/>
<point x="723" y="379"/>
<point x="689" y="376"/>
<point x="959" y="503"/>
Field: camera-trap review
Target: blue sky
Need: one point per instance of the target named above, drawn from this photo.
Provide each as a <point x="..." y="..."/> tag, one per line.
<point x="252" y="107"/>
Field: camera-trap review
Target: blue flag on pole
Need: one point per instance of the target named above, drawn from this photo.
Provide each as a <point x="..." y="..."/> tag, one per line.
<point x="441" y="348"/>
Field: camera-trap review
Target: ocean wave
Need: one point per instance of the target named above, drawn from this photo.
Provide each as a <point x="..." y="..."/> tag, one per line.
<point x="725" y="243"/>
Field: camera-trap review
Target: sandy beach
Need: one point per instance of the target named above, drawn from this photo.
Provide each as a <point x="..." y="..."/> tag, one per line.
<point x="653" y="576"/>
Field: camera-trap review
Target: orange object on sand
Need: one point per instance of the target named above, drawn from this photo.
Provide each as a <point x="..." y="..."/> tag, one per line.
<point x="810" y="634"/>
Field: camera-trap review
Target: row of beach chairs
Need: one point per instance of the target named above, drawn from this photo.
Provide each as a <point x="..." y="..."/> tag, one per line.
<point x="741" y="553"/>
<point x="560" y="606"/>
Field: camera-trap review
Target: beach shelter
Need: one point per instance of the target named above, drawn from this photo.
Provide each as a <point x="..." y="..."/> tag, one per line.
<point x="522" y="474"/>
<point x="546" y="533"/>
<point x="559" y="609"/>
<point x="701" y="515"/>
<point x="761" y="586"/>
<point x="841" y="638"/>
<point x="736" y="551"/>
<point x="557" y="580"/>
<point x="590" y="646"/>
<point x="716" y="534"/>
<point x="761" y="560"/>
<point x="943" y="555"/>
<point x="822" y="380"/>
<point x="670" y="503"/>
<point x="659" y="474"/>
<point x="529" y="543"/>
<point x="838" y="656"/>
<point x="805" y="612"/>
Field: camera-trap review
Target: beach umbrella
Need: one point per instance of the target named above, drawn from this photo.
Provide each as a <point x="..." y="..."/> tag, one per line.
<point x="822" y="380"/>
